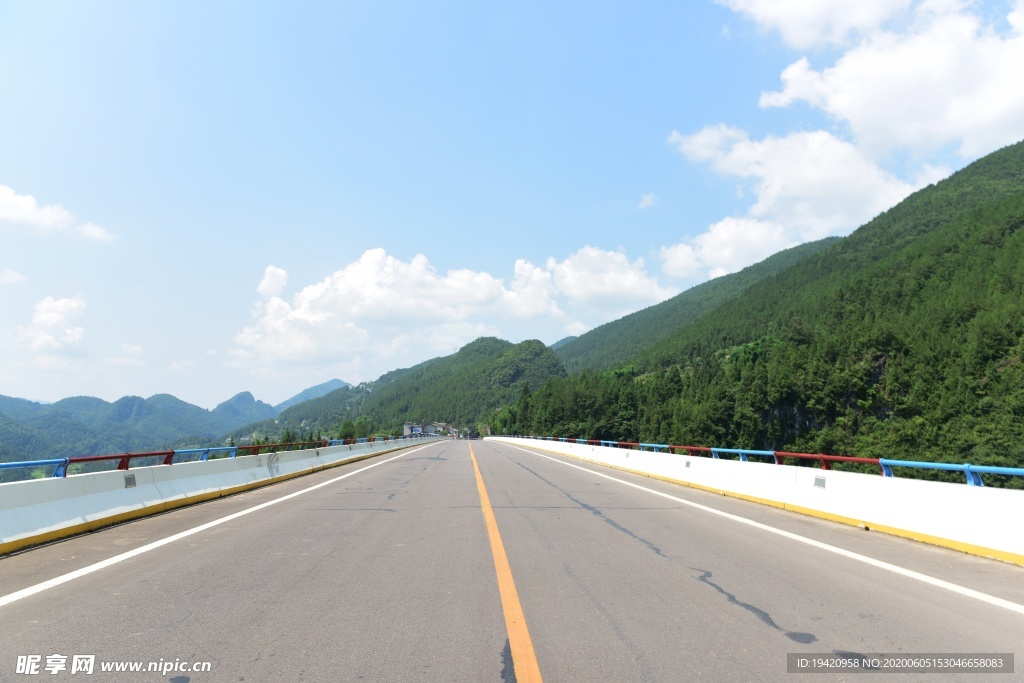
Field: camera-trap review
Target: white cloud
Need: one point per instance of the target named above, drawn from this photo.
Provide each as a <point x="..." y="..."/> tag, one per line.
<point x="646" y="201"/>
<point x="532" y="292"/>
<point x="576" y="328"/>
<point x="727" y="246"/>
<point x="811" y="183"/>
<point x="806" y="186"/>
<point x="331" y="319"/>
<point x="53" y="329"/>
<point x="11" y="277"/>
<point x="94" y="232"/>
<point x="273" y="282"/>
<point x="810" y="23"/>
<point x="23" y="210"/>
<point x="944" y="78"/>
<point x="380" y="312"/>
<point x="593" y="278"/>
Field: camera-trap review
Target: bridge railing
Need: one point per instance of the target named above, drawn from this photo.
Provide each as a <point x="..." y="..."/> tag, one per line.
<point x="35" y="464"/>
<point x="972" y="472"/>
<point x="61" y="466"/>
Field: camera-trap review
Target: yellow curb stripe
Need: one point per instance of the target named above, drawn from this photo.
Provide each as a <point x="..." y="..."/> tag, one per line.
<point x="960" y="546"/>
<point x="524" y="659"/>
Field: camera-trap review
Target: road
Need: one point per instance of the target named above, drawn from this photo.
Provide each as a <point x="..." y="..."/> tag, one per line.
<point x="385" y="570"/>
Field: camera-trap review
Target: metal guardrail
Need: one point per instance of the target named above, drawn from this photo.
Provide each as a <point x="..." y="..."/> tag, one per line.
<point x="972" y="472"/>
<point x="204" y="453"/>
<point x="53" y="462"/>
<point x="61" y="465"/>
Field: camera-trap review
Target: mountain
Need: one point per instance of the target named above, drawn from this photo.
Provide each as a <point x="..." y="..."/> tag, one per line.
<point x="562" y="342"/>
<point x="461" y="389"/>
<point x="615" y="342"/>
<point x="465" y="387"/>
<point x="311" y="393"/>
<point x="905" y="339"/>
<point x="17" y="439"/>
<point x="241" y="409"/>
<point x="84" y="425"/>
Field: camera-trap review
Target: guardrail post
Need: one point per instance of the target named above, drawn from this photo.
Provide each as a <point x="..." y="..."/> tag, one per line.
<point x="886" y="467"/>
<point x="973" y="478"/>
<point x="61" y="470"/>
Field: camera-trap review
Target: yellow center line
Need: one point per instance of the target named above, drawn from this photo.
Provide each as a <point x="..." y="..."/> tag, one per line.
<point x="524" y="659"/>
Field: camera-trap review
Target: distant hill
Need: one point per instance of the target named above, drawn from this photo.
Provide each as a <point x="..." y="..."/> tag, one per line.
<point x="242" y="408"/>
<point x="465" y="387"/>
<point x="905" y="339"/>
<point x="311" y="393"/>
<point x="562" y="342"/>
<point x="84" y="425"/>
<point x="461" y="389"/>
<point x="613" y="343"/>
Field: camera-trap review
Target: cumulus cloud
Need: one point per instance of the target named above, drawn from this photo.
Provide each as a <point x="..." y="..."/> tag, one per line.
<point x="11" y="277"/>
<point x="332" y="318"/>
<point x="22" y="210"/>
<point x="811" y="23"/>
<point x="595" y="277"/>
<point x="946" y="78"/>
<point x="727" y="246"/>
<point x="273" y="282"/>
<point x="379" y="311"/>
<point x="54" y="329"/>
<point x="806" y="186"/>
<point x="646" y="201"/>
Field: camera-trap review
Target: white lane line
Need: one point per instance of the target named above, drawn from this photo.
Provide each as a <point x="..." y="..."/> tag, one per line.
<point x="78" y="573"/>
<point x="895" y="569"/>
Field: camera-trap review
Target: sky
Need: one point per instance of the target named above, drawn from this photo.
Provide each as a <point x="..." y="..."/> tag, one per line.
<point x="205" y="198"/>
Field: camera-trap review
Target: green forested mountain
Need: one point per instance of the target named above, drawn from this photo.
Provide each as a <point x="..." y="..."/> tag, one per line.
<point x="239" y="409"/>
<point x="465" y="387"/>
<point x="562" y="342"/>
<point x="616" y="342"/>
<point x="904" y="340"/>
<point x="311" y="393"/>
<point x="460" y="389"/>
<point x="83" y="425"/>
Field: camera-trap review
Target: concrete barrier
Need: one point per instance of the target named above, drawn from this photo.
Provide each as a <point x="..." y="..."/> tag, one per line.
<point x="41" y="510"/>
<point x="981" y="521"/>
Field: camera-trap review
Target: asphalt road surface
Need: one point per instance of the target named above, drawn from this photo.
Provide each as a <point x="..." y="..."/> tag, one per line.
<point x="388" y="570"/>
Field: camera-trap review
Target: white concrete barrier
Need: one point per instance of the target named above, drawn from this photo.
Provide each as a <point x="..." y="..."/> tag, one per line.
<point x="41" y="510"/>
<point x="979" y="520"/>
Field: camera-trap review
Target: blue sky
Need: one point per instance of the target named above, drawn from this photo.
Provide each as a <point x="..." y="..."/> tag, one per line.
<point x="204" y="198"/>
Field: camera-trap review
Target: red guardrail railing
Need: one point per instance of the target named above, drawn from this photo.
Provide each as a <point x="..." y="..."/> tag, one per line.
<point x="827" y="460"/>
<point x="122" y="458"/>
